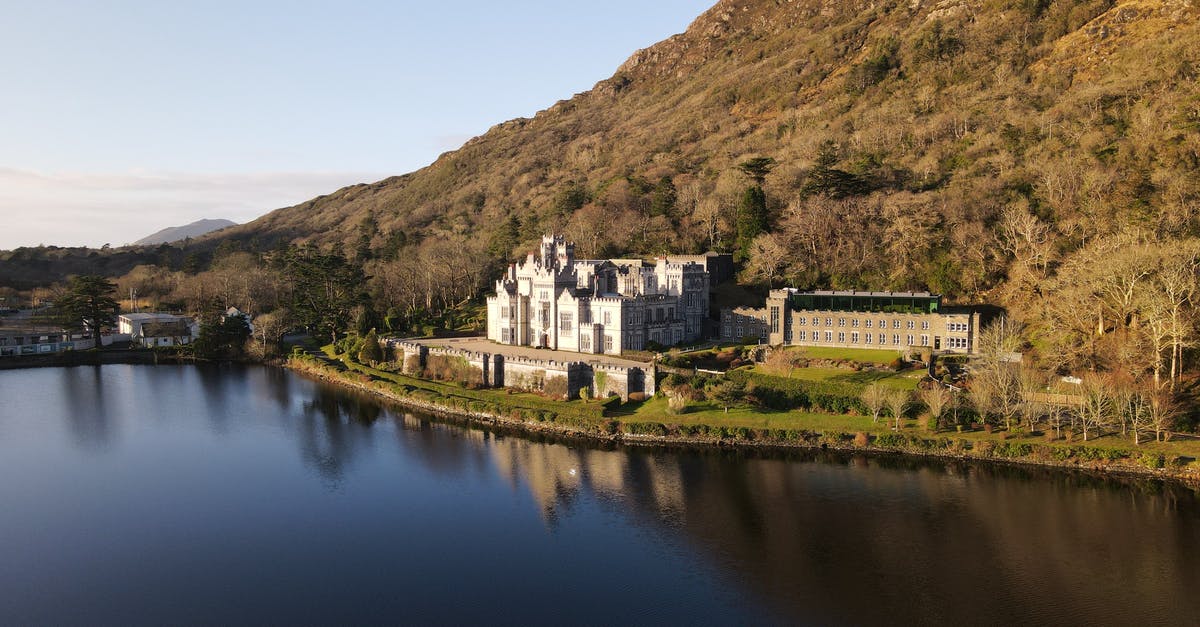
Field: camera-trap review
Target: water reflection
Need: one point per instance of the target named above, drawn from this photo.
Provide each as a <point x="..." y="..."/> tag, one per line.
<point x="925" y="541"/>
<point x="817" y="537"/>
<point x="86" y="412"/>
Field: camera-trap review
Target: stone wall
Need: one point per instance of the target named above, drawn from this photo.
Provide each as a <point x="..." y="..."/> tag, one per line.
<point x="525" y="373"/>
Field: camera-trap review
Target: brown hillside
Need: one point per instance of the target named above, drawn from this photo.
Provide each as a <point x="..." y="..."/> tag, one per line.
<point x="943" y="115"/>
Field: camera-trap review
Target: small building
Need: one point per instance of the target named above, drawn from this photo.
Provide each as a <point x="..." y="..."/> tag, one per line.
<point x="16" y="341"/>
<point x="852" y="319"/>
<point x="234" y="312"/>
<point x="158" y="329"/>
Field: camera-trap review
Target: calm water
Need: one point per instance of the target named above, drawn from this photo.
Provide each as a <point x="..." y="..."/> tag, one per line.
<point x="216" y="495"/>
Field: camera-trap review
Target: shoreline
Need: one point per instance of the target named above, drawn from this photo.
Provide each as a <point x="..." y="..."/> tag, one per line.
<point x="838" y="442"/>
<point x="93" y="357"/>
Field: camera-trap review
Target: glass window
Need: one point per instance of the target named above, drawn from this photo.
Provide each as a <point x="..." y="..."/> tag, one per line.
<point x="842" y="337"/>
<point x="854" y="337"/>
<point x="829" y="336"/>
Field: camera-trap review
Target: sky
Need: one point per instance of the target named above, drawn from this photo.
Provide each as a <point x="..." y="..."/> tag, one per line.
<point x="120" y="118"/>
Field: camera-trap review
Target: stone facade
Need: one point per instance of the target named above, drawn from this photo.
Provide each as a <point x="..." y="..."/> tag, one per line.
<point x="522" y="373"/>
<point x="553" y="300"/>
<point x="878" y="320"/>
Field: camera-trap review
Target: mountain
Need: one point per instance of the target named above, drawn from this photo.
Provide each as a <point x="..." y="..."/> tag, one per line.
<point x="903" y="132"/>
<point x="177" y="233"/>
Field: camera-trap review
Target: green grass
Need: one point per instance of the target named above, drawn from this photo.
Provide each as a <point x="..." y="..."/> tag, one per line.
<point x="864" y="355"/>
<point x="713" y="415"/>
<point x="905" y="380"/>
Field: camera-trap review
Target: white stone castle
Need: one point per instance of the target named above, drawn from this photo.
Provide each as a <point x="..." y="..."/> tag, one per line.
<point x="553" y="300"/>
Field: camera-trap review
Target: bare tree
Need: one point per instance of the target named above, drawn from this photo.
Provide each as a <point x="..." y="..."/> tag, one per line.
<point x="995" y="377"/>
<point x="897" y="402"/>
<point x="1096" y="409"/>
<point x="936" y="399"/>
<point x="874" y="397"/>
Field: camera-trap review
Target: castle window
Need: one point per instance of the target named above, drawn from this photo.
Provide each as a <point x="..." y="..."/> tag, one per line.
<point x="854" y="337"/>
<point x="565" y="321"/>
<point x="608" y="343"/>
<point x="829" y="336"/>
<point x="924" y="340"/>
<point x="842" y="337"/>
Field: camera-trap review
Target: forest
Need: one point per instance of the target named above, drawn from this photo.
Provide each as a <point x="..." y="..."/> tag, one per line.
<point x="1034" y="155"/>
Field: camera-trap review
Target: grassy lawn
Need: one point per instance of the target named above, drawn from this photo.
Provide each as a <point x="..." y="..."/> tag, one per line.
<point x="905" y="380"/>
<point x="713" y="415"/>
<point x="864" y="355"/>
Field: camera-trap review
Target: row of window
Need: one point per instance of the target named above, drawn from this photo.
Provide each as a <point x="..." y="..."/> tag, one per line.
<point x="867" y="338"/>
<point x="855" y="322"/>
<point x="960" y="327"/>
<point x="957" y="342"/>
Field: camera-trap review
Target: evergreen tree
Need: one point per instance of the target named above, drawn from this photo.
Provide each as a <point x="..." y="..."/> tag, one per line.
<point x="325" y="289"/>
<point x="663" y="199"/>
<point x="88" y="304"/>
<point x="371" y="352"/>
<point x="751" y="219"/>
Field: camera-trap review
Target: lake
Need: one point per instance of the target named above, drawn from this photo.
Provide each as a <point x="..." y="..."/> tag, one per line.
<point x="242" y="494"/>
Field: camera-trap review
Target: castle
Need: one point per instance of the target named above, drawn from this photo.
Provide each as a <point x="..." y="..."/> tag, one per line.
<point x="552" y="300"/>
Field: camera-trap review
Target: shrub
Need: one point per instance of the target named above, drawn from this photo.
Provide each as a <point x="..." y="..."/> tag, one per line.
<point x="1154" y="460"/>
<point x="555" y="387"/>
<point x="861" y="439"/>
<point x="984" y="448"/>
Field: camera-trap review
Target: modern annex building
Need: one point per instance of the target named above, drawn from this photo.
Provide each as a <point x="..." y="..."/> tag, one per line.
<point x="880" y="320"/>
<point x="553" y="300"/>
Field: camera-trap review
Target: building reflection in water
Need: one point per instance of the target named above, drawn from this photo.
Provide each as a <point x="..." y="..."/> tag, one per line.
<point x="825" y="537"/>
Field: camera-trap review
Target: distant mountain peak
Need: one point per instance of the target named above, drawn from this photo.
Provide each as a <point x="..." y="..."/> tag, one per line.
<point x="176" y="233"/>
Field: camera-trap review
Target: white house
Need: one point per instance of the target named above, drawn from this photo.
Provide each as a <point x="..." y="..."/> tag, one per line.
<point x="552" y="300"/>
<point x="158" y="329"/>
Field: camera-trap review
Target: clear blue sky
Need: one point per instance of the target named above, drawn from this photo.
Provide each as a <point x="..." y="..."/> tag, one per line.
<point x="120" y="118"/>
